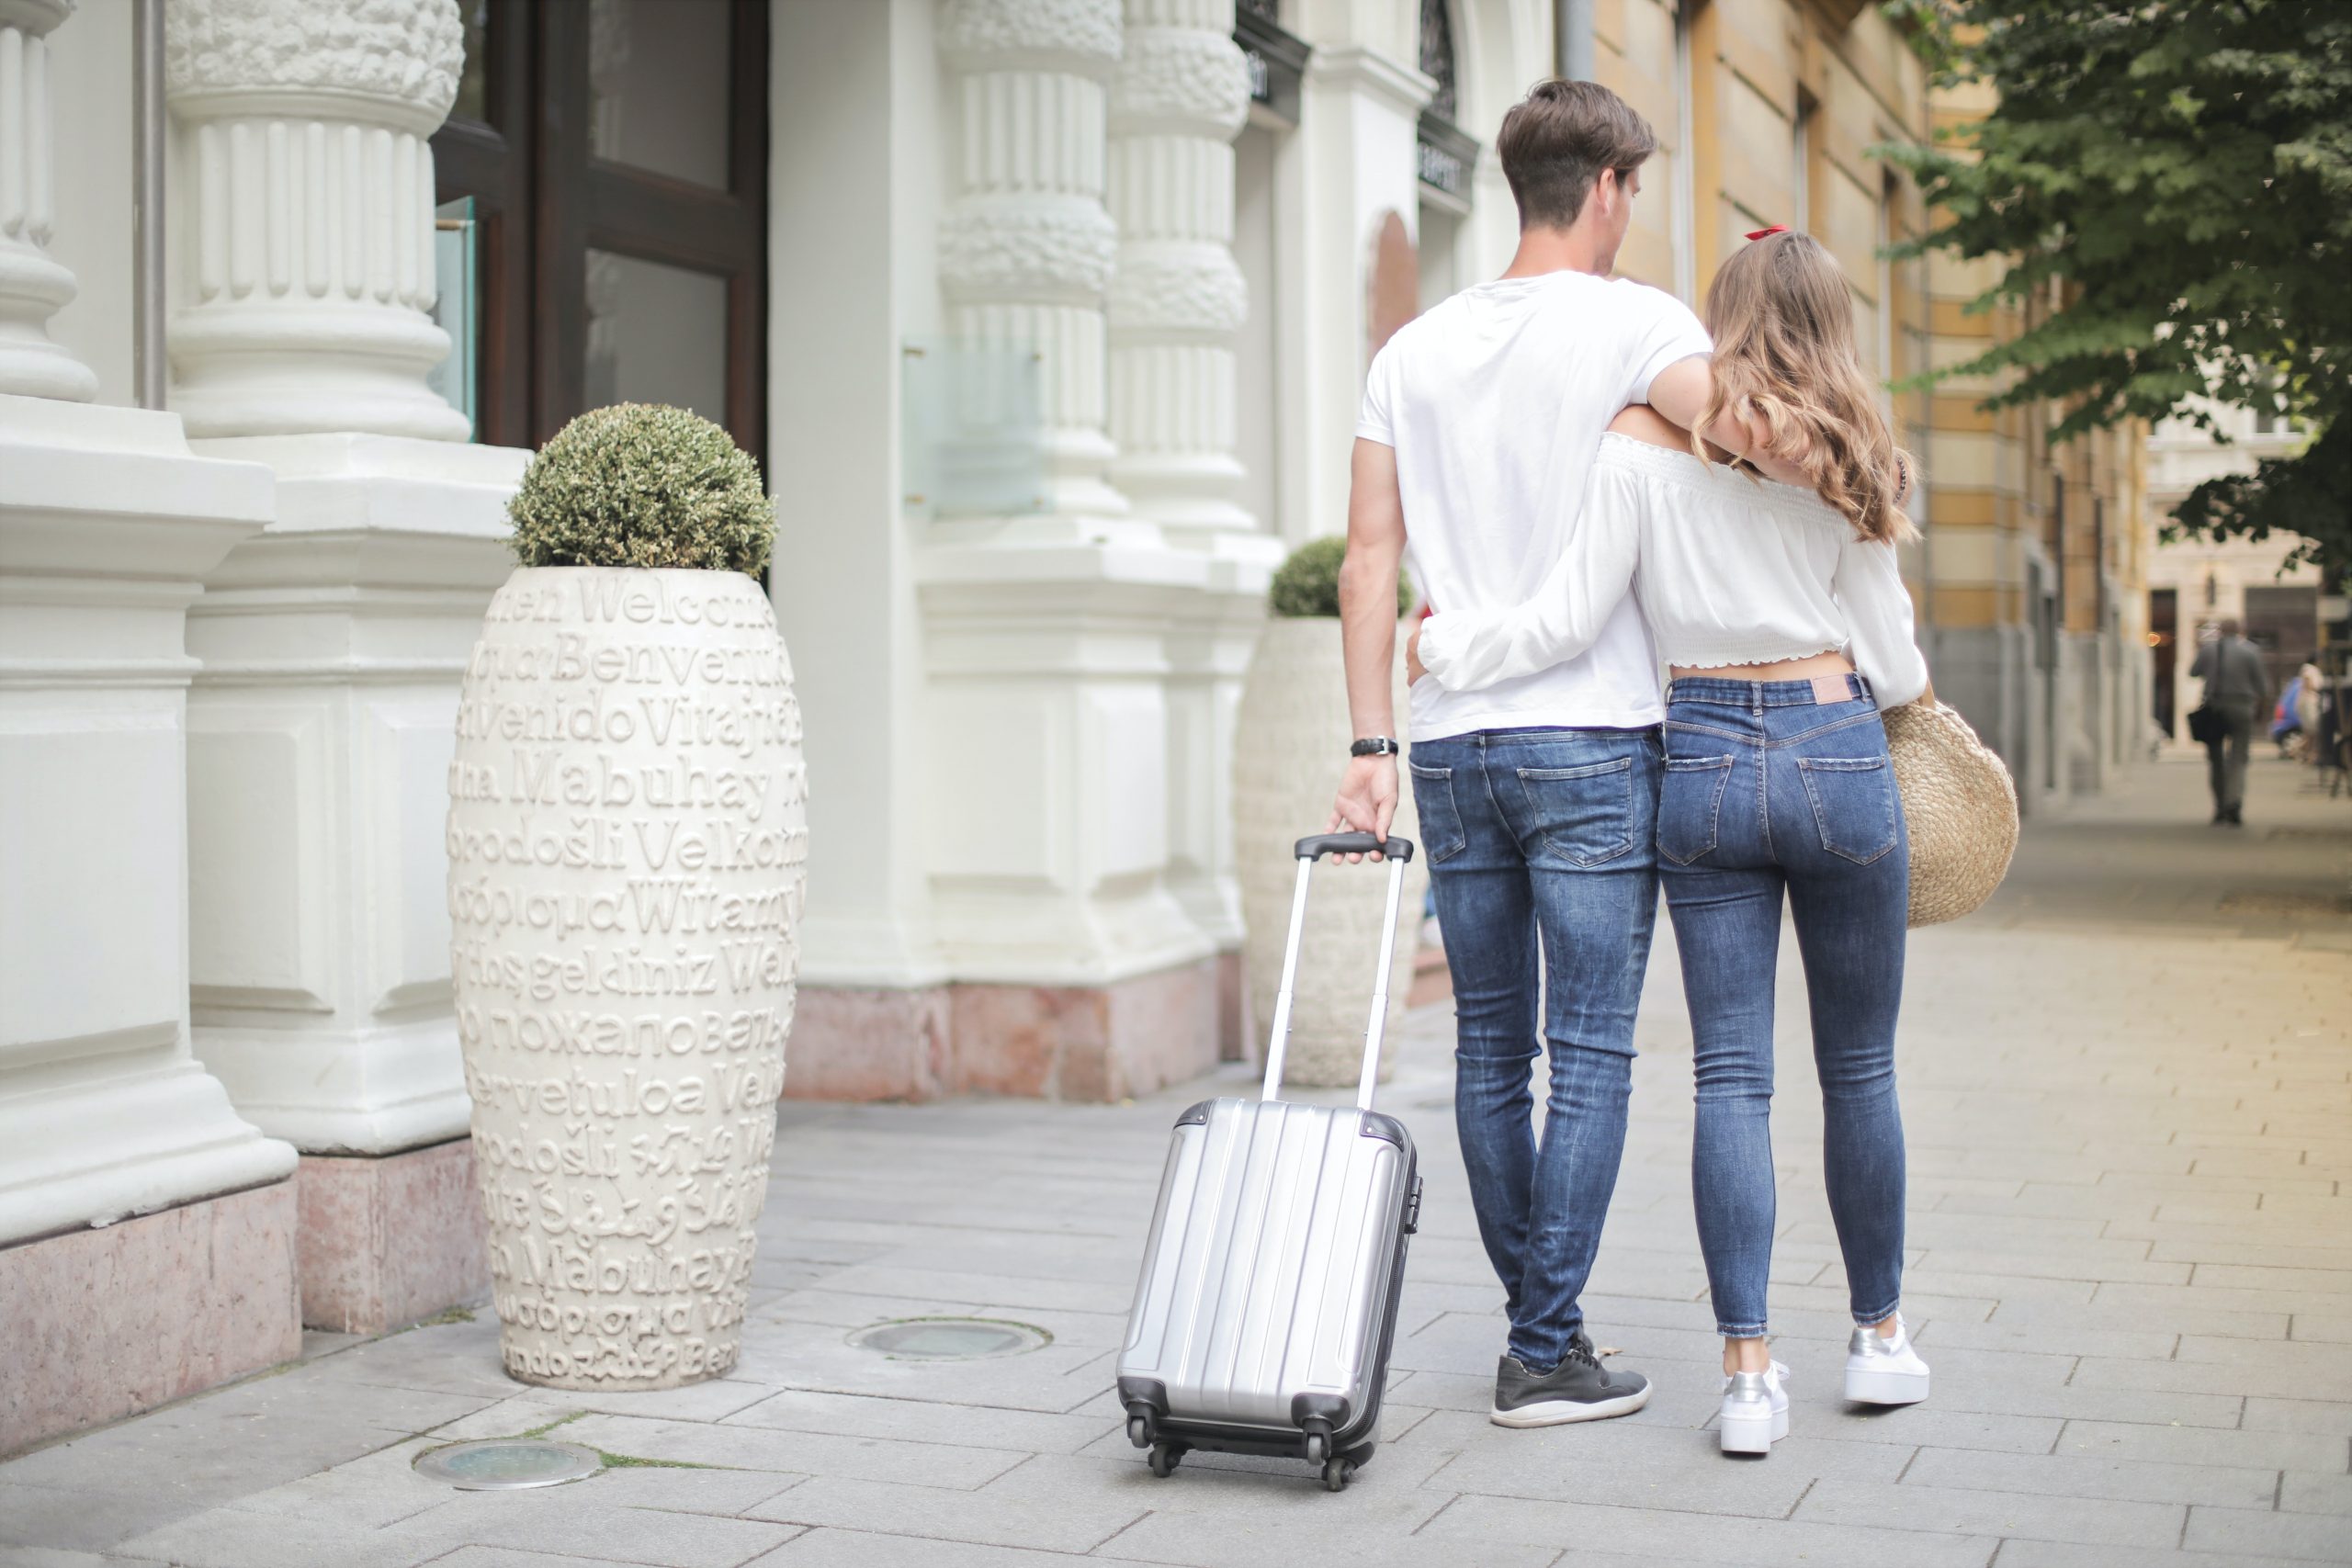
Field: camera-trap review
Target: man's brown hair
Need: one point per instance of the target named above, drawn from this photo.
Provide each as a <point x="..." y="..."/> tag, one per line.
<point x="1555" y="142"/>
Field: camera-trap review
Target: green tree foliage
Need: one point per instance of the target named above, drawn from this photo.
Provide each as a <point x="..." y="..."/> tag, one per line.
<point x="1308" y="582"/>
<point x="2184" y="167"/>
<point x="641" y="485"/>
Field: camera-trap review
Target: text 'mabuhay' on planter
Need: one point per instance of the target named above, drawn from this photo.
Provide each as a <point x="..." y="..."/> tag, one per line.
<point x="626" y="839"/>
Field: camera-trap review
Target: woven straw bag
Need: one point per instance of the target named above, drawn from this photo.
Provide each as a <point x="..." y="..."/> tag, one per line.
<point x="1961" y="808"/>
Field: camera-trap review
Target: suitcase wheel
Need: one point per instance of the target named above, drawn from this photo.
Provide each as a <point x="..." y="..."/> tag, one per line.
<point x="1139" y="1431"/>
<point x="1164" y="1457"/>
<point x="1337" y="1472"/>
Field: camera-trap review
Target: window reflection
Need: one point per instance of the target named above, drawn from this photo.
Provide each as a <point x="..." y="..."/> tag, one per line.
<point x="657" y="334"/>
<point x="658" y="86"/>
<point x="473" y="79"/>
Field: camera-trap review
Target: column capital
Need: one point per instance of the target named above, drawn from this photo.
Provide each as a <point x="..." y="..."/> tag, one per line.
<point x="393" y="62"/>
<point x="1179" y="81"/>
<point x="1080" y="36"/>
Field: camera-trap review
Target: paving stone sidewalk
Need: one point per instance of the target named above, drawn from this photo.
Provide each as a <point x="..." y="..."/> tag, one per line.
<point x="2128" y="1089"/>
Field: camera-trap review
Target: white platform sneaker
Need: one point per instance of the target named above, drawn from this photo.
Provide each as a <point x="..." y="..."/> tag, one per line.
<point x="1756" y="1410"/>
<point x="1882" y="1369"/>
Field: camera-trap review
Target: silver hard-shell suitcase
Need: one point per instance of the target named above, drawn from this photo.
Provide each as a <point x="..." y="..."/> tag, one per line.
<point x="1267" y="1300"/>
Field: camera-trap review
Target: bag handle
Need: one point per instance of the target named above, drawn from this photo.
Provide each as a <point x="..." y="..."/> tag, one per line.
<point x="1397" y="851"/>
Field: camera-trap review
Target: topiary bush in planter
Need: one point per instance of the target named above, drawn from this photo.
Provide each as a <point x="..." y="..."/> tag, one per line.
<point x="641" y="485"/>
<point x="1290" y="744"/>
<point x="627" y="838"/>
<point x="1308" y="582"/>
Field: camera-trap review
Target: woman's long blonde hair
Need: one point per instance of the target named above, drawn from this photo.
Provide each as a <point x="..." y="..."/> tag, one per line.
<point x="1783" y="325"/>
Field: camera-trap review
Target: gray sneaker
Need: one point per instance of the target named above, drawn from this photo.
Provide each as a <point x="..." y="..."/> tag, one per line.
<point x="1578" y="1389"/>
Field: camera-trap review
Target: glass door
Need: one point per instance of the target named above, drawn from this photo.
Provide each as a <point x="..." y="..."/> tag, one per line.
<point x="616" y="153"/>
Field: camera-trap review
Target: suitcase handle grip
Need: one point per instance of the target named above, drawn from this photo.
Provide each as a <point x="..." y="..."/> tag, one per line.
<point x="1321" y="844"/>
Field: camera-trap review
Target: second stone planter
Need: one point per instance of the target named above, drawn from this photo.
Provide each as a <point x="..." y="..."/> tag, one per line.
<point x="1290" y="746"/>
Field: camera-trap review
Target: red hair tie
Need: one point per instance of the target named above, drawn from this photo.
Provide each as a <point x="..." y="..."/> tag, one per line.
<point x="1767" y="234"/>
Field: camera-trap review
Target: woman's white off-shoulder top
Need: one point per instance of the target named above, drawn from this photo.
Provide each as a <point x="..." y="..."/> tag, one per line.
<point x="1729" y="569"/>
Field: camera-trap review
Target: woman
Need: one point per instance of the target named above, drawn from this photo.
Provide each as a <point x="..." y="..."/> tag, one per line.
<point x="1784" y="620"/>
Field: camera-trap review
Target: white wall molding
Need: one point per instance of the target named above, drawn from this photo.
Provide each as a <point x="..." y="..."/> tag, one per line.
<point x="1358" y="115"/>
<point x="107" y="526"/>
<point x="1209" y="649"/>
<point x="1400" y="86"/>
<point x="303" y="214"/>
<point x="33" y="284"/>
<point x="322" y="727"/>
<point x="1049" y="867"/>
<point x="855" y="104"/>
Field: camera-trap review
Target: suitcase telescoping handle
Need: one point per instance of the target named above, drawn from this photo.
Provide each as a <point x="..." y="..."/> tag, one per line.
<point x="1308" y="851"/>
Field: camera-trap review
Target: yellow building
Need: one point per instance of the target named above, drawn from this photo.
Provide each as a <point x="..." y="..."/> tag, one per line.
<point x="2031" y="576"/>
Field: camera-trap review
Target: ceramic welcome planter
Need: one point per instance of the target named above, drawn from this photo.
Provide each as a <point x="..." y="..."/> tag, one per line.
<point x="627" y="838"/>
<point x="1290" y="744"/>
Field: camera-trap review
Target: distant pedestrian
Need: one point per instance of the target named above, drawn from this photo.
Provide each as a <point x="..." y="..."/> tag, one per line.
<point x="2302" y="697"/>
<point x="2238" y="689"/>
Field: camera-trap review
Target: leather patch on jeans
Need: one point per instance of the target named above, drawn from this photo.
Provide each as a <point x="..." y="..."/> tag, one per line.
<point x="1831" y="689"/>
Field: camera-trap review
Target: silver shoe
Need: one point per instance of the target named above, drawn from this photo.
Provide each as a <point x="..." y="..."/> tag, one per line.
<point x="1882" y="1369"/>
<point x="1755" y="1411"/>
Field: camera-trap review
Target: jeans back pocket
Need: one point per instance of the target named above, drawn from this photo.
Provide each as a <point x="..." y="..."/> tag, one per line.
<point x="1584" y="815"/>
<point x="1442" y="833"/>
<point x="1690" y="806"/>
<point x="1853" y="804"/>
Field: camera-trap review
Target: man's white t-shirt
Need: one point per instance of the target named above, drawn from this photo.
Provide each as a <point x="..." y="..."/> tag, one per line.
<point x="1495" y="401"/>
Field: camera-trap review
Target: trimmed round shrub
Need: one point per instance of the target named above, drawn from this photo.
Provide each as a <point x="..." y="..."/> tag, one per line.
<point x="1308" y="583"/>
<point x="641" y="485"/>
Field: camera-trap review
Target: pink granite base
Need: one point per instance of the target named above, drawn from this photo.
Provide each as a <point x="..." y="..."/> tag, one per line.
<point x="103" y="1324"/>
<point x="388" y="1241"/>
<point x="862" y="1044"/>
<point x="1092" y="1043"/>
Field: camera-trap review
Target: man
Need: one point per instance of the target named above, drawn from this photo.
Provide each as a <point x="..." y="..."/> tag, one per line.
<point x="1536" y="796"/>
<point x="2237" y="688"/>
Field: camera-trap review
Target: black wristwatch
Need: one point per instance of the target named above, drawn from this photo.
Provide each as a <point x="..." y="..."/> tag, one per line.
<point x="1374" y="746"/>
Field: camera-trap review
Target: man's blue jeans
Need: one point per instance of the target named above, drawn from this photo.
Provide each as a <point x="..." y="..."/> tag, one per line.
<point x="1541" y="835"/>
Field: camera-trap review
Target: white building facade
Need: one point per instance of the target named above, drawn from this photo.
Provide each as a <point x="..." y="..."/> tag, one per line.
<point x="1048" y="320"/>
<point x="2195" y="584"/>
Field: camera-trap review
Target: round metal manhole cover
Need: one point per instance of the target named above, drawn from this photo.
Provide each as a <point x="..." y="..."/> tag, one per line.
<point x="950" y="1338"/>
<point x="508" y="1464"/>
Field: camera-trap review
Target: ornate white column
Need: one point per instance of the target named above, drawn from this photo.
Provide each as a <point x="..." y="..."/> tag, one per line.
<point x="1076" y="971"/>
<point x="322" y="725"/>
<point x="307" y="204"/>
<point x="32" y="285"/>
<point x="1177" y="296"/>
<point x="1176" y="301"/>
<point x="1025" y="246"/>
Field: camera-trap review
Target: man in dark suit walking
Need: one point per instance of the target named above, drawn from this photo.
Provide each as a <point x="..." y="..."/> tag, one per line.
<point x="2237" y="688"/>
